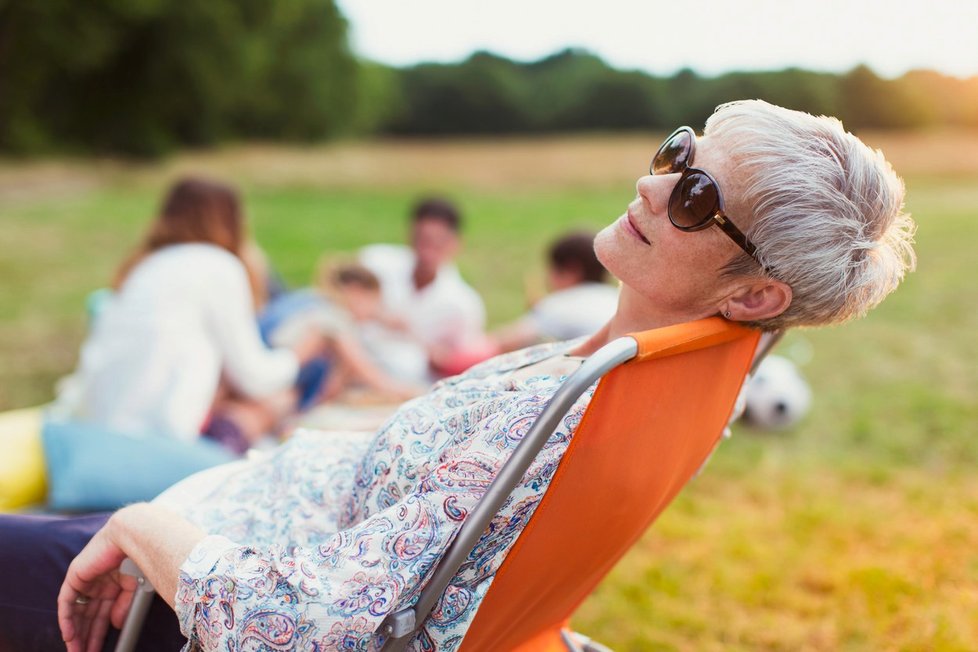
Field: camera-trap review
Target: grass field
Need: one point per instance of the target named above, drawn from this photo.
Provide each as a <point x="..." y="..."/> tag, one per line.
<point x="856" y="531"/>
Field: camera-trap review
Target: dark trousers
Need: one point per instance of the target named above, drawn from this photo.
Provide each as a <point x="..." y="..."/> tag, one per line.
<point x="34" y="555"/>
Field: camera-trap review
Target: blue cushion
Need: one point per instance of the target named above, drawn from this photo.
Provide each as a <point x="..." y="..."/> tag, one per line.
<point x="91" y="468"/>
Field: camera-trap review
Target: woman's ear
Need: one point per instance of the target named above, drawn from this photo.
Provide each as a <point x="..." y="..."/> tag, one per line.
<point x="758" y="300"/>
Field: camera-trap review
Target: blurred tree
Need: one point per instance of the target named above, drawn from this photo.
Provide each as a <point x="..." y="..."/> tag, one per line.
<point x="485" y="94"/>
<point x="690" y="99"/>
<point x="574" y="89"/>
<point x="791" y="88"/>
<point x="942" y="100"/>
<point x="303" y="78"/>
<point x="620" y="101"/>
<point x="867" y="100"/>
<point x="140" y="76"/>
<point x="379" y="98"/>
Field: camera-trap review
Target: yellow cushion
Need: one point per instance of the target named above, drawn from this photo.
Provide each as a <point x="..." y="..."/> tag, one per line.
<point x="23" y="479"/>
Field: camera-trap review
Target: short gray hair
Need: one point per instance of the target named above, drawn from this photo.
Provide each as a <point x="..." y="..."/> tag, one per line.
<point x="827" y="211"/>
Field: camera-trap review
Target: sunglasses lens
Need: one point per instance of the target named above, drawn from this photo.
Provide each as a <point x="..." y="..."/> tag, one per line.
<point x="694" y="201"/>
<point x="674" y="154"/>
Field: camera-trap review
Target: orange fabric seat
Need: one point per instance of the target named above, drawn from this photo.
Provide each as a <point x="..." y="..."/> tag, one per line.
<point x="650" y="426"/>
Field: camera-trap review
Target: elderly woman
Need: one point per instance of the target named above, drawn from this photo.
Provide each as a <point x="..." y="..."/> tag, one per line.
<point x="312" y="547"/>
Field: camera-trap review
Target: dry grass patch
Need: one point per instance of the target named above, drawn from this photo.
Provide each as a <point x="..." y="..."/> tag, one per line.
<point x="817" y="562"/>
<point x="928" y="153"/>
<point x="486" y="164"/>
<point x="498" y="164"/>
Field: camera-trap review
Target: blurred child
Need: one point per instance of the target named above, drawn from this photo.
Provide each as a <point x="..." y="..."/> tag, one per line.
<point x="343" y="308"/>
<point x="580" y="301"/>
<point x="354" y="287"/>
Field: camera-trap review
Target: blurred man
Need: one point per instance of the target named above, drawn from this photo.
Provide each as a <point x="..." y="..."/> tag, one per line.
<point x="423" y="292"/>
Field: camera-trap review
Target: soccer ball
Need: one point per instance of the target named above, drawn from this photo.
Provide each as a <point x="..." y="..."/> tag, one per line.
<point x="777" y="395"/>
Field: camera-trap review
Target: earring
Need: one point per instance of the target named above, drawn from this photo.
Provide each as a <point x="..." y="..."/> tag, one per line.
<point x="726" y="314"/>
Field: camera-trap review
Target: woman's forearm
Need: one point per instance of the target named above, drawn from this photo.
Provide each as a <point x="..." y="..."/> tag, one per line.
<point x="157" y="540"/>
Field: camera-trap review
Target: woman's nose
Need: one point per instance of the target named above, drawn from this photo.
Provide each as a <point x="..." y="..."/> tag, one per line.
<point x="655" y="190"/>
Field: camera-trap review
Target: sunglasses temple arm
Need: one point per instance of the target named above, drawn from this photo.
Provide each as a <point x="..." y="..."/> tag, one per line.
<point x="736" y="235"/>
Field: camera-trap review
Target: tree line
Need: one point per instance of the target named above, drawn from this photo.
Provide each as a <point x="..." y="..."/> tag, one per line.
<point x="141" y="77"/>
<point x="574" y="90"/>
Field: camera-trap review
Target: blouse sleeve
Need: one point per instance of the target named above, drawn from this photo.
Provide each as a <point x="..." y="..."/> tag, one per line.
<point x="251" y="367"/>
<point x="336" y="595"/>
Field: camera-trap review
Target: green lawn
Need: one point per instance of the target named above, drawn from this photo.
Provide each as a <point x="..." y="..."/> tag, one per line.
<point x="856" y="531"/>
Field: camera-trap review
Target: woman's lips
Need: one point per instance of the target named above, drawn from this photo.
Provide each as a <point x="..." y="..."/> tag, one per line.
<point x="628" y="224"/>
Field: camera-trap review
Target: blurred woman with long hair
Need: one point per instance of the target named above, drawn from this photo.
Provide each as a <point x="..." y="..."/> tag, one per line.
<point x="181" y="320"/>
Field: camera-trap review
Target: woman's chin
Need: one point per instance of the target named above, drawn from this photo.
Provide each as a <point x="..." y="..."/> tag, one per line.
<point x="604" y="242"/>
<point x="610" y="248"/>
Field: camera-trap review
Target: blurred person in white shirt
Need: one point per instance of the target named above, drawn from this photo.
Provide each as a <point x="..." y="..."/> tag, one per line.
<point x="423" y="292"/>
<point x="580" y="301"/>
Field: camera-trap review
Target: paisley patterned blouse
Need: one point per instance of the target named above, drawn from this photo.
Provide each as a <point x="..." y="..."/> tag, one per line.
<point x="312" y="547"/>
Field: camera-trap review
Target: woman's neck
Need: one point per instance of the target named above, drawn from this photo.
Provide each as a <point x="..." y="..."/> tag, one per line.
<point x="634" y="314"/>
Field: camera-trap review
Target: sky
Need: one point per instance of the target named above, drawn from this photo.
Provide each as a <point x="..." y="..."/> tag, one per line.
<point x="709" y="36"/>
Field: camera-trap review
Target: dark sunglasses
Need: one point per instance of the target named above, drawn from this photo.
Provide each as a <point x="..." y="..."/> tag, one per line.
<point x="695" y="203"/>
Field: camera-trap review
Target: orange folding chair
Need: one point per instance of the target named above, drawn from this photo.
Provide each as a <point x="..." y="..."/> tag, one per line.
<point x="664" y="399"/>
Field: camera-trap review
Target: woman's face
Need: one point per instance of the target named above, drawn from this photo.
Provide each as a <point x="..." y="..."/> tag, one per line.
<point x="678" y="271"/>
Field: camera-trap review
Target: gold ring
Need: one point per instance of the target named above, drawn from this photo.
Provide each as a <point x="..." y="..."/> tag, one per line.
<point x="82" y="599"/>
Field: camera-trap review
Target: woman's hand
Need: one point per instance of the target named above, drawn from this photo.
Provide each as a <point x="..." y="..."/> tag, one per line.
<point x="94" y="594"/>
